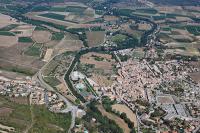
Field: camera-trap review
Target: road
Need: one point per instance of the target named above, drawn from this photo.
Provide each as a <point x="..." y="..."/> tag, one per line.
<point x="70" y="108"/>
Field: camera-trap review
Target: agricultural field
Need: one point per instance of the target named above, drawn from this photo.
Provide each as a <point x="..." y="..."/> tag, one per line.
<point x="24" y="30"/>
<point x="34" y="50"/>
<point x="69" y="43"/>
<point x="6" y="33"/>
<point x="12" y="59"/>
<point x="40" y="36"/>
<point x="95" y="38"/>
<point x="53" y="73"/>
<point x="65" y="15"/>
<point x="16" y="116"/>
<point x="118" y="38"/>
<point x="188" y="49"/>
<point x="129" y="113"/>
<point x="25" y="40"/>
<point x="7" y="41"/>
<point x="6" y="21"/>
<point x="117" y="119"/>
<point x="99" y="67"/>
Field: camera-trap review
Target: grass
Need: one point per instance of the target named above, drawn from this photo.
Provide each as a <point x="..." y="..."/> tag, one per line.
<point x="74" y="9"/>
<point x="17" y="69"/>
<point x="52" y="81"/>
<point x="147" y="10"/>
<point x="25" y="40"/>
<point x="40" y="28"/>
<point x="44" y="120"/>
<point x="48" y="122"/>
<point x="195" y="30"/>
<point x="166" y="29"/>
<point x="53" y="16"/>
<point x="5" y="33"/>
<point x="57" y="36"/>
<point x="118" y="38"/>
<point x="33" y="51"/>
<point x="90" y="88"/>
<point x="19" y="118"/>
<point x="9" y="27"/>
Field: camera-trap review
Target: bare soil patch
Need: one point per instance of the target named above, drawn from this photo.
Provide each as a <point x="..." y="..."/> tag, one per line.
<point x="68" y="43"/>
<point x="4" y="111"/>
<point x="111" y="18"/>
<point x="48" y="54"/>
<point x="95" y="38"/>
<point x="106" y="64"/>
<point x="20" y="100"/>
<point x="165" y="100"/>
<point x="24" y="30"/>
<point x="8" y="41"/>
<point x="101" y="80"/>
<point x="42" y="36"/>
<point x="13" y="58"/>
<point x="144" y="26"/>
<point x="6" y="20"/>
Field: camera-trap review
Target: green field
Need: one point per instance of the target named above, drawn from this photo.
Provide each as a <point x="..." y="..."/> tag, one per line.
<point x="9" y="27"/>
<point x="74" y="9"/>
<point x="5" y="33"/>
<point x="19" y="118"/>
<point x="52" y="81"/>
<point x="57" y="36"/>
<point x="44" y="121"/>
<point x="53" y="16"/>
<point x="195" y="30"/>
<point x="40" y="28"/>
<point x="33" y="51"/>
<point x="25" y="40"/>
<point x="48" y="122"/>
<point x="118" y="38"/>
<point x="147" y="11"/>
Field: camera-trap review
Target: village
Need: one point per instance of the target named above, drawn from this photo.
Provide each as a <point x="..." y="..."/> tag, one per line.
<point x="27" y="88"/>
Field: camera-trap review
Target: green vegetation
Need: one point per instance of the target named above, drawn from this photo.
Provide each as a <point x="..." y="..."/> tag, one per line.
<point x="18" y="69"/>
<point x="25" y="40"/>
<point x="52" y="81"/>
<point x="90" y="88"/>
<point x="147" y="10"/>
<point x="48" y="122"/>
<point x="9" y="27"/>
<point x="98" y="58"/>
<point x="104" y="125"/>
<point x="74" y="9"/>
<point x="123" y="12"/>
<point x="57" y="36"/>
<point x="19" y="117"/>
<point x="176" y="2"/>
<point x="161" y="17"/>
<point x="53" y="16"/>
<point x="5" y="33"/>
<point x="166" y="29"/>
<point x="195" y="30"/>
<point x="40" y="28"/>
<point x="118" y="38"/>
<point x="138" y="54"/>
<point x="40" y="8"/>
<point x="107" y="104"/>
<point x="33" y="51"/>
<point x="123" y="57"/>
